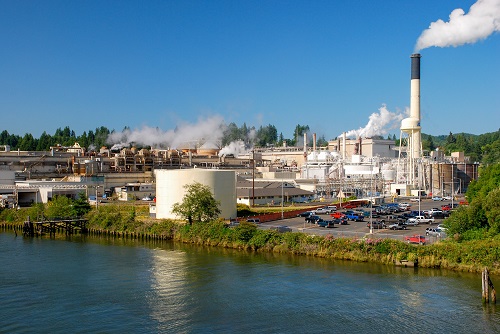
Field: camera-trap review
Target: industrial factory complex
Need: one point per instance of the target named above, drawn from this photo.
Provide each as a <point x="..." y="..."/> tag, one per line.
<point x="367" y="168"/>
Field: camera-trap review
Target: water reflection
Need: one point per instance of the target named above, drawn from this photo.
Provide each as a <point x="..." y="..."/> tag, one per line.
<point x="127" y="285"/>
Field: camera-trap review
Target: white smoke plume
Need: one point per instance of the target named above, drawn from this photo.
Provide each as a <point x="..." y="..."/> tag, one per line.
<point x="185" y="135"/>
<point x="482" y="20"/>
<point x="235" y="148"/>
<point x="379" y="124"/>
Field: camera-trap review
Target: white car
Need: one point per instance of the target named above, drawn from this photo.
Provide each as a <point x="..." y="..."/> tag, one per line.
<point x="415" y="199"/>
<point x="435" y="232"/>
<point x="419" y="219"/>
<point x="442" y="228"/>
<point x="433" y="211"/>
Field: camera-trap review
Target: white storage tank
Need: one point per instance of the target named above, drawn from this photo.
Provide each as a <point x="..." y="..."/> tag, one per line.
<point x="389" y="174"/>
<point x="170" y="189"/>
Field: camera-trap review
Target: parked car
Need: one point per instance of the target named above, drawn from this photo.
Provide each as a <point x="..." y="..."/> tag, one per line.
<point x="326" y="223"/>
<point x="434" y="210"/>
<point x="321" y="211"/>
<point x="332" y="208"/>
<point x="281" y="228"/>
<point x="337" y="215"/>
<point x="442" y="227"/>
<point x="437" y="198"/>
<point x="404" y="205"/>
<point x="435" y="232"/>
<point x="147" y="198"/>
<point x="355" y="217"/>
<point x="340" y="221"/>
<point x="439" y="215"/>
<point x="415" y="239"/>
<point x="419" y="219"/>
<point x="233" y="223"/>
<point x="376" y="224"/>
<point x="313" y="219"/>
<point x="412" y="222"/>
<point x="253" y="220"/>
<point x="406" y="215"/>
<point x="305" y="214"/>
<point x="398" y="226"/>
<point x="447" y="198"/>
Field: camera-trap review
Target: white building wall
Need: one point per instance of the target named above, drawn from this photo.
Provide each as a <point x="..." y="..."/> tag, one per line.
<point x="170" y="189"/>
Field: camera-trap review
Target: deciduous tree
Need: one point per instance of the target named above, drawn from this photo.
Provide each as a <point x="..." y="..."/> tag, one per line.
<point x="198" y="204"/>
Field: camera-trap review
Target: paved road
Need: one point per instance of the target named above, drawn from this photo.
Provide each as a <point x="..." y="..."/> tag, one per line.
<point x="360" y="229"/>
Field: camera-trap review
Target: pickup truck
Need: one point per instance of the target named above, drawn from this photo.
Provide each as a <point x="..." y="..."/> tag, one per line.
<point x="355" y="217"/>
<point x="378" y="224"/>
<point x="337" y="215"/>
<point x="419" y="219"/>
<point x="321" y="211"/>
<point x="397" y="226"/>
<point x="415" y="239"/>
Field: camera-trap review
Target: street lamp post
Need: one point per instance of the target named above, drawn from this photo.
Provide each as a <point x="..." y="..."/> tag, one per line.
<point x="282" y="197"/>
<point x="96" y="197"/>
<point x="371" y="201"/>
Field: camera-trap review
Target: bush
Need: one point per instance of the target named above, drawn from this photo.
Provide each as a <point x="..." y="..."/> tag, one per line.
<point x="244" y="232"/>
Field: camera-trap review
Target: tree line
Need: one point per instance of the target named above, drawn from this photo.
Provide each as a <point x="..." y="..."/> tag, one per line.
<point x="483" y="148"/>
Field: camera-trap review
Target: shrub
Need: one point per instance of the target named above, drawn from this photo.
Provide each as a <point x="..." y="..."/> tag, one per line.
<point x="244" y="232"/>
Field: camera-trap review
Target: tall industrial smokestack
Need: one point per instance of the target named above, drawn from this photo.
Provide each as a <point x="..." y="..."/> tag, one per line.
<point x="415" y="86"/>
<point x="415" y="102"/>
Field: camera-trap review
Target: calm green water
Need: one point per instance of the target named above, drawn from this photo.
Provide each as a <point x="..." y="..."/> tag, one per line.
<point x="99" y="285"/>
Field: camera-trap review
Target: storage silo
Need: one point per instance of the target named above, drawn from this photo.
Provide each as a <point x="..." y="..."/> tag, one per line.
<point x="170" y="189"/>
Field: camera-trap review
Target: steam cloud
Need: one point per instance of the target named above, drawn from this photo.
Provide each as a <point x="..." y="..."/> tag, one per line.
<point x="236" y="148"/>
<point x="379" y="124"/>
<point x="184" y="135"/>
<point x="207" y="131"/>
<point x="482" y="20"/>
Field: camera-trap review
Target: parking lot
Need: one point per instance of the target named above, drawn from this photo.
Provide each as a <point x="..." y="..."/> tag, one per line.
<point x="360" y="229"/>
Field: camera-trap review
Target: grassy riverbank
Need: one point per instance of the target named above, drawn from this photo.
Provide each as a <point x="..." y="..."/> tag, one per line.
<point x="470" y="256"/>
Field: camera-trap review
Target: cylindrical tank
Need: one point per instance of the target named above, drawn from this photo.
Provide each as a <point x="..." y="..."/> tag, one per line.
<point x="389" y="174"/>
<point x="410" y="124"/>
<point x="170" y="189"/>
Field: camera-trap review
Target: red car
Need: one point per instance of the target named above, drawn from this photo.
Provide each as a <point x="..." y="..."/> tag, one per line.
<point x="415" y="239"/>
<point x="445" y="207"/>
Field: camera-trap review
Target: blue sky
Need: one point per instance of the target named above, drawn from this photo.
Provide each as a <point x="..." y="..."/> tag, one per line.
<point x="326" y="64"/>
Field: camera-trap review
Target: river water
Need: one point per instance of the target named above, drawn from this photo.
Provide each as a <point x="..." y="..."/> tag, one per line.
<point x="104" y="285"/>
